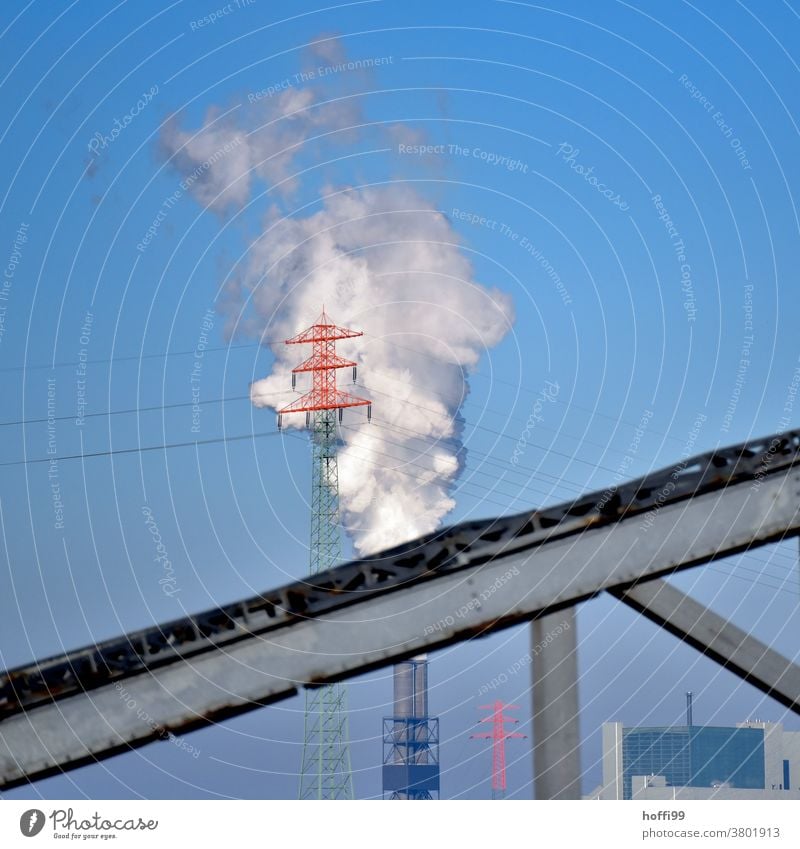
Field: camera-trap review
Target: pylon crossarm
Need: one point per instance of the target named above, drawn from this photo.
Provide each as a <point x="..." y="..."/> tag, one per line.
<point x="318" y="361"/>
<point x="323" y="330"/>
<point x="314" y="401"/>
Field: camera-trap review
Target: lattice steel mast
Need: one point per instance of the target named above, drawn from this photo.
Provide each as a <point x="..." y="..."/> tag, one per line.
<point x="325" y="771"/>
<point x="498" y="735"/>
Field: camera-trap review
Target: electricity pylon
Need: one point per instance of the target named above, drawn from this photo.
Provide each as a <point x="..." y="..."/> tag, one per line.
<point x="326" y="771"/>
<point x="498" y="735"/>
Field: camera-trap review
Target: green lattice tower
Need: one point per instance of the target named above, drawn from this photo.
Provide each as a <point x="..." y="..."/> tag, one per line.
<point x="326" y="772"/>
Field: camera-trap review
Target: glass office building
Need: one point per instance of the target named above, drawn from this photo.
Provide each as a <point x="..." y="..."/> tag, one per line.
<point x="756" y="759"/>
<point x="696" y="756"/>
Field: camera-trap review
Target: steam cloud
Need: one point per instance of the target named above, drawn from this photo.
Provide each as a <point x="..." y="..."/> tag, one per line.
<point x="383" y="260"/>
<point x="264" y="147"/>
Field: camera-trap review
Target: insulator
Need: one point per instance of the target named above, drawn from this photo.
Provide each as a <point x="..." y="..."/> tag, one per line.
<point x="355" y="369"/>
<point x="369" y="412"/>
<point x="280" y="422"/>
<point x="341" y="413"/>
<point x="294" y="381"/>
<point x="308" y="419"/>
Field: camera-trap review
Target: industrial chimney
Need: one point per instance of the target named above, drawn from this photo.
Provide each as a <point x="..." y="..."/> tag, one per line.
<point x="410" y="736"/>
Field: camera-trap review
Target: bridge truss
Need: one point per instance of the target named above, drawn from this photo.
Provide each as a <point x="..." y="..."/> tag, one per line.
<point x="454" y="585"/>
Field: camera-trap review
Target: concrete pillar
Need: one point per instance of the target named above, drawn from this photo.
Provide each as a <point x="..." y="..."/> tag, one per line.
<point x="556" y="732"/>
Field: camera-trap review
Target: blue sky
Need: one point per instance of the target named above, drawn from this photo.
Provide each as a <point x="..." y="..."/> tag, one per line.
<point x="623" y="172"/>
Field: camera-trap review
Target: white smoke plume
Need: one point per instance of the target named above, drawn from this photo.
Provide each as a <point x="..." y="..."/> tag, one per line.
<point x="260" y="137"/>
<point x="380" y="259"/>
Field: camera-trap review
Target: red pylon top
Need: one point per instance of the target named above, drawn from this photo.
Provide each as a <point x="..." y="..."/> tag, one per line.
<point x="498" y="735"/>
<point x="323" y="330"/>
<point x="322" y="364"/>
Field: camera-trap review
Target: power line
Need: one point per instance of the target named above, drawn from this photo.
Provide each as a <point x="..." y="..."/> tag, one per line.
<point x="561" y="481"/>
<point x="519" y="386"/>
<point x="263" y="342"/>
<point x="497" y="479"/>
<point x="128" y="358"/>
<point x="753" y="580"/>
<point x="463" y="402"/>
<point x="566" y="483"/>
<point x="141" y="449"/>
<point x="527" y="481"/>
<point x="787" y="567"/>
<point x="113" y="452"/>
<point x="520" y="470"/>
<point x="550" y="450"/>
<point x="790" y="559"/>
<point x="758" y="576"/>
<point x="190" y="404"/>
<point x="223" y="400"/>
<point x="109" y="413"/>
<point x="225" y="439"/>
<point x="455" y="487"/>
<point x="178" y="405"/>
